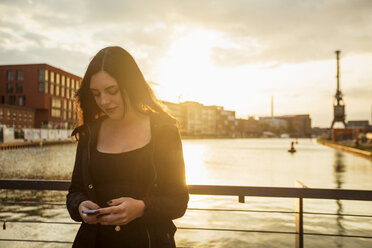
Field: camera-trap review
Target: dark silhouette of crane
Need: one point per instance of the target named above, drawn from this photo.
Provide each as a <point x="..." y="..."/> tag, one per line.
<point x="338" y="106"/>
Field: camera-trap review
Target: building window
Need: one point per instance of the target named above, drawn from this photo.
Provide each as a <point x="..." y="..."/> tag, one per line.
<point x="8" y="114"/>
<point x="25" y="116"/>
<point x="2" y="99"/>
<point x="51" y="89"/>
<point x="57" y="90"/>
<point x="43" y="78"/>
<point x="41" y="87"/>
<point x="68" y="93"/>
<point x="57" y="78"/>
<point x="12" y="100"/>
<point x="9" y="87"/>
<point x="20" y="116"/>
<point x="52" y="77"/>
<point x="63" y="91"/>
<point x="10" y="76"/>
<point x="14" y="116"/>
<point x="19" y="88"/>
<point x="63" y="80"/>
<point x="22" y="100"/>
<point x="30" y="117"/>
<point x="68" y="82"/>
<point x="19" y="75"/>
<point x="42" y="75"/>
<point x="1" y="114"/>
<point x="73" y="84"/>
<point x="56" y="107"/>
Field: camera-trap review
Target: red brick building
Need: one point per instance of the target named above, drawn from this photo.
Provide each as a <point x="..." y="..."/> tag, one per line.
<point x="47" y="90"/>
<point x="17" y="117"/>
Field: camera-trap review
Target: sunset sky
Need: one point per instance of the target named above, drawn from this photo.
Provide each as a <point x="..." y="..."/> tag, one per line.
<point x="231" y="53"/>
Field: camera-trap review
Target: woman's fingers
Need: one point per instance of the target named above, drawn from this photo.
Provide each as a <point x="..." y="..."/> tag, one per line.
<point x="112" y="210"/>
<point x="91" y="205"/>
<point x="90" y="219"/>
<point x="117" y="201"/>
<point x="112" y="219"/>
<point x="128" y="210"/>
<point x="88" y="205"/>
<point x="115" y="215"/>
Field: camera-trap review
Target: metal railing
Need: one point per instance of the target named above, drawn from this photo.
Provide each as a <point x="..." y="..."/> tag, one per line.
<point x="299" y="193"/>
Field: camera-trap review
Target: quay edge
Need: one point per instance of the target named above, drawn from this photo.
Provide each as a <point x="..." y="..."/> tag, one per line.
<point x="340" y="147"/>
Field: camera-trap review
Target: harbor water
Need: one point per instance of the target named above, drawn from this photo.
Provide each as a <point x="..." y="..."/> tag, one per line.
<point x="243" y="162"/>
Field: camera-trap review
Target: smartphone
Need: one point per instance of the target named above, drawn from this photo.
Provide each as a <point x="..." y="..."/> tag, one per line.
<point x="90" y="211"/>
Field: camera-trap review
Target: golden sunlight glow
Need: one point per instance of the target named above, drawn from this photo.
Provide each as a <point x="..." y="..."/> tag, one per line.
<point x="195" y="167"/>
<point x="188" y="73"/>
<point x="186" y="64"/>
<point x="188" y="70"/>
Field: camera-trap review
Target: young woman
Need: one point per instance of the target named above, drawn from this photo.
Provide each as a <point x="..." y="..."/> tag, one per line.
<point x="128" y="182"/>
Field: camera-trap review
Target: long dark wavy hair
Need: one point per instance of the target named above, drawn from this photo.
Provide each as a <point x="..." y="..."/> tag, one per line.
<point x="120" y="65"/>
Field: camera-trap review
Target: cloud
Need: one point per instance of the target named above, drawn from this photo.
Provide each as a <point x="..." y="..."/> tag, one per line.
<point x="287" y="31"/>
<point x="271" y="33"/>
<point x="362" y="92"/>
<point x="281" y="31"/>
<point x="72" y="61"/>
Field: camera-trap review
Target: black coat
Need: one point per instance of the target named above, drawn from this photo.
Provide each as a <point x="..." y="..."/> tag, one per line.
<point x="167" y="195"/>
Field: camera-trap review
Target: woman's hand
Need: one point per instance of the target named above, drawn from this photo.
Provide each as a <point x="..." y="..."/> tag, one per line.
<point x="91" y="218"/>
<point x="121" y="211"/>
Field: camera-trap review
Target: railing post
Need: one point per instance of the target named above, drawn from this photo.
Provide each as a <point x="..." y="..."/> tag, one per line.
<point x="299" y="220"/>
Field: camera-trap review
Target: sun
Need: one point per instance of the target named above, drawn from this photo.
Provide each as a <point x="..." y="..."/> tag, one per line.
<point x="187" y="67"/>
<point x="187" y="72"/>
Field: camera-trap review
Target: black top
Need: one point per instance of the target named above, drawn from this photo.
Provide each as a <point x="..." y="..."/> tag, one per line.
<point x="126" y="174"/>
<point x="166" y="198"/>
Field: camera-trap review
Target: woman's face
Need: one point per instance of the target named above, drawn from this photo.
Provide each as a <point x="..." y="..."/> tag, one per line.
<point x="106" y="93"/>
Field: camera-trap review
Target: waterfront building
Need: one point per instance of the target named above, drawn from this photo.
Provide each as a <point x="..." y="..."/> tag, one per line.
<point x="16" y="116"/>
<point x="240" y="127"/>
<point x="356" y="130"/>
<point x="209" y="120"/>
<point x="226" y="123"/>
<point x="344" y="134"/>
<point x="299" y="125"/>
<point x="196" y="119"/>
<point x="274" y="125"/>
<point x="249" y="127"/>
<point x="317" y="131"/>
<point x="294" y="125"/>
<point x="361" y="124"/>
<point x="178" y="112"/>
<point x="47" y="90"/>
<point x="193" y="118"/>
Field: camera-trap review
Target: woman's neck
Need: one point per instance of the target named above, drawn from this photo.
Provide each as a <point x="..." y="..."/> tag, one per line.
<point x="131" y="118"/>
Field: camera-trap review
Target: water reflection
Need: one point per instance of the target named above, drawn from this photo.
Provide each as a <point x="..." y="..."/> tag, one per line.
<point x="339" y="171"/>
<point x="256" y="162"/>
<point x="30" y="203"/>
<point x="195" y="167"/>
